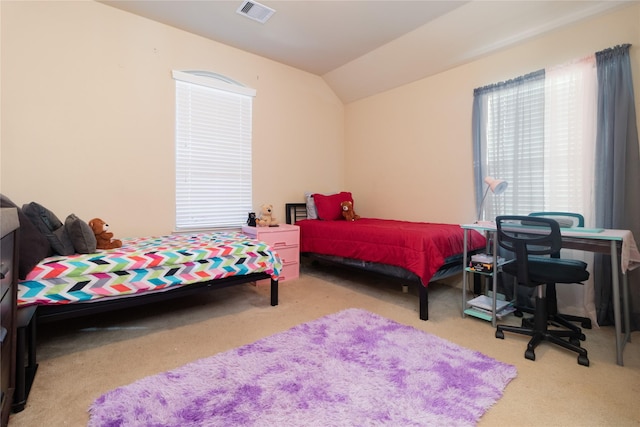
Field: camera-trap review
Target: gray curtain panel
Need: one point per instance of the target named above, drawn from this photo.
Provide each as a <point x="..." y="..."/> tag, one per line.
<point x="617" y="188"/>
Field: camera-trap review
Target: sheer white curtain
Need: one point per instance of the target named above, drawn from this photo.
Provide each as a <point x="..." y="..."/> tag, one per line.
<point x="538" y="133"/>
<point x="569" y="149"/>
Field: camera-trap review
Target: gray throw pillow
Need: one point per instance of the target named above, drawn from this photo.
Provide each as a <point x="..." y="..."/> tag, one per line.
<point x="34" y="246"/>
<point x="82" y="236"/>
<point x="49" y="224"/>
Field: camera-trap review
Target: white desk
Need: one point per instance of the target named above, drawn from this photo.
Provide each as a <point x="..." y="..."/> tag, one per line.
<point x="613" y="242"/>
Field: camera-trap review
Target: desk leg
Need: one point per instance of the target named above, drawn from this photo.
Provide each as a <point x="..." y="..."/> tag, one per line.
<point x="494" y="279"/>
<point x="616" y="301"/>
<point x="626" y="308"/>
<point x="464" y="273"/>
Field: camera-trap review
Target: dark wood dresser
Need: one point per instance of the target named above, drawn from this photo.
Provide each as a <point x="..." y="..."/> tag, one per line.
<point x="9" y="229"/>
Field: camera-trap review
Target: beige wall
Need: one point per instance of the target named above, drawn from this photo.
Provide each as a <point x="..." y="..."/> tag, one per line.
<point x="87" y="118"/>
<point x="88" y="115"/>
<point x="408" y="150"/>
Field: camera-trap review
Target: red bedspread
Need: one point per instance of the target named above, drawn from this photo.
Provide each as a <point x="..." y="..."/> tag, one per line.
<point x="419" y="247"/>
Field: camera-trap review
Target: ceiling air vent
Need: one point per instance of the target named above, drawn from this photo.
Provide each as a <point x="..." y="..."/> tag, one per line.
<point x="256" y="11"/>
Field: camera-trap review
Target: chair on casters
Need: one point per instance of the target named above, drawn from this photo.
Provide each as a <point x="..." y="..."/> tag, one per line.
<point x="565" y="220"/>
<point x="533" y="240"/>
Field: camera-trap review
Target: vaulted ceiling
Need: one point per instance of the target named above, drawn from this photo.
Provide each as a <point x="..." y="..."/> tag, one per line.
<point x="363" y="47"/>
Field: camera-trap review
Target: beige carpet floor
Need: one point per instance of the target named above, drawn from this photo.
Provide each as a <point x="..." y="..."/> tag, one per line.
<point x="82" y="359"/>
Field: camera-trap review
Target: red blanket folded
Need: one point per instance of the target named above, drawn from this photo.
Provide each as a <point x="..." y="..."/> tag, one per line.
<point x="419" y="247"/>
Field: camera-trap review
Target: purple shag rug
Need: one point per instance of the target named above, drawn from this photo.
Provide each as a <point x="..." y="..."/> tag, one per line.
<point x="346" y="369"/>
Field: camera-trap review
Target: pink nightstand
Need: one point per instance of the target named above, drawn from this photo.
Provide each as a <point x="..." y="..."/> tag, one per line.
<point x="285" y="240"/>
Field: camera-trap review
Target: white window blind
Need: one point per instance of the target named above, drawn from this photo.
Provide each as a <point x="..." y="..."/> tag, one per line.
<point x="540" y="138"/>
<point x="515" y="146"/>
<point x="213" y="151"/>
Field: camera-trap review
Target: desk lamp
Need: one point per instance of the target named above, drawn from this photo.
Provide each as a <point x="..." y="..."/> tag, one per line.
<point x="497" y="186"/>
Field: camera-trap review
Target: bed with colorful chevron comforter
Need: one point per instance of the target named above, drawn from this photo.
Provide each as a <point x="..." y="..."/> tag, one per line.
<point x="147" y="265"/>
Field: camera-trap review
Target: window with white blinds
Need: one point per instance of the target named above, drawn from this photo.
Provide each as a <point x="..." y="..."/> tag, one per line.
<point x="540" y="136"/>
<point x="213" y="151"/>
<point x="515" y="146"/>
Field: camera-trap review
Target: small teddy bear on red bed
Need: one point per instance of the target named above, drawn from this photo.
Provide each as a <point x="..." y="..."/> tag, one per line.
<point x="347" y="211"/>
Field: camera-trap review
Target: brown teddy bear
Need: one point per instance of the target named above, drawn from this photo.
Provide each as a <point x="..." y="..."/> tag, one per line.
<point x="266" y="217"/>
<point x="347" y="211"/>
<point x="103" y="237"/>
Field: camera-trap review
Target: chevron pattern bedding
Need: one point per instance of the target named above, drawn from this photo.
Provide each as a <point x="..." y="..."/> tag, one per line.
<point x="146" y="264"/>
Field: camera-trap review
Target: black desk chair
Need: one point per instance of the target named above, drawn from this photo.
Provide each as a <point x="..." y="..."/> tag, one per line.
<point x="533" y="240"/>
<point x="565" y="220"/>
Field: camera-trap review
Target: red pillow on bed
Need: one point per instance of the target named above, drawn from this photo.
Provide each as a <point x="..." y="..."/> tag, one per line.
<point x="328" y="207"/>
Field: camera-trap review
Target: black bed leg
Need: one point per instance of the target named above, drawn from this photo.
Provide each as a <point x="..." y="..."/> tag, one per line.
<point x="274" y="292"/>
<point x="424" y="302"/>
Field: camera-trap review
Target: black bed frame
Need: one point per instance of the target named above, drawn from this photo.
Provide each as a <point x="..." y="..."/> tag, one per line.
<point x="451" y="267"/>
<point x="52" y="313"/>
<point x="27" y="327"/>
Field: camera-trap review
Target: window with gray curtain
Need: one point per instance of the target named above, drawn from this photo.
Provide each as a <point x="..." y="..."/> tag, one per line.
<point x="537" y="132"/>
<point x="508" y="124"/>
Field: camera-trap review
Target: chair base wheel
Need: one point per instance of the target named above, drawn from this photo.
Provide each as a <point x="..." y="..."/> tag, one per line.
<point x="499" y="334"/>
<point x="575" y="341"/>
<point x="530" y="354"/>
<point x="583" y="360"/>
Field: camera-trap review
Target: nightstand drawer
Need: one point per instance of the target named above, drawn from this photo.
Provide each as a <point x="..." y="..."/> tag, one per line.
<point x="282" y="235"/>
<point x="5" y="348"/>
<point x="6" y="264"/>
<point x="5" y="354"/>
<point x="9" y="229"/>
<point x="289" y="255"/>
<point x="283" y="238"/>
<point x="289" y="271"/>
